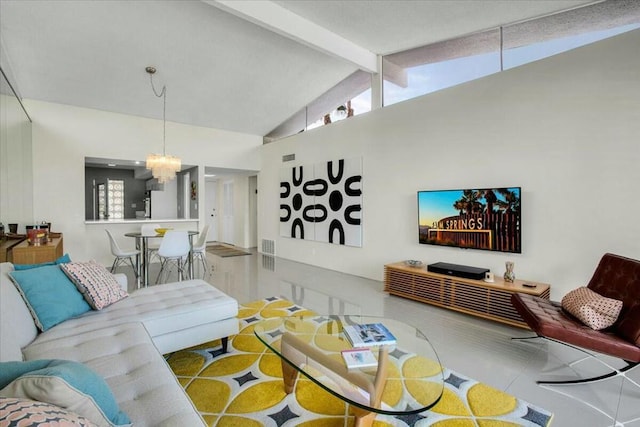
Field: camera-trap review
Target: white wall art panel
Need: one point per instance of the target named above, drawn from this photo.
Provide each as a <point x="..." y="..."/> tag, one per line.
<point x="341" y="203"/>
<point x="294" y="199"/>
<point x="323" y="202"/>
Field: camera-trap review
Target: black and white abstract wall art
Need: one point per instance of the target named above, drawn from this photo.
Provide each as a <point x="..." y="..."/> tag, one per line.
<point x="323" y="202"/>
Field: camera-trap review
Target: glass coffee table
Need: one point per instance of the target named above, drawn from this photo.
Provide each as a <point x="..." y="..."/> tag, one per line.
<point x="407" y="378"/>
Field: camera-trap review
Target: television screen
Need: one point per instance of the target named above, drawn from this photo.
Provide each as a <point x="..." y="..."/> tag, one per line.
<point x="486" y="218"/>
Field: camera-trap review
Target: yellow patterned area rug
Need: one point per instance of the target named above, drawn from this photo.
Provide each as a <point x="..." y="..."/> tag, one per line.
<point x="244" y="388"/>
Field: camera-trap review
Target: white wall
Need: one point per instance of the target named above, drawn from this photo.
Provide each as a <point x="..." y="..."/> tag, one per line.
<point x="63" y="135"/>
<point x="565" y="129"/>
<point x="16" y="178"/>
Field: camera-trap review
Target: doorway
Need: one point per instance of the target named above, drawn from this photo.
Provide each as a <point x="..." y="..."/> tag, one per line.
<point x="108" y="199"/>
<point x="186" y="196"/>
<point x="227" y="218"/>
<point x="211" y="206"/>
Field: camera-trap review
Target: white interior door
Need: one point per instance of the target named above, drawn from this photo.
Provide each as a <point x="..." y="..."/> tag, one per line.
<point x="211" y="209"/>
<point x="186" y="195"/>
<point x="227" y="217"/>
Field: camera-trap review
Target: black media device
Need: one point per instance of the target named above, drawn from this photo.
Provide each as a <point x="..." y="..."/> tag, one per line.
<point x="456" y="270"/>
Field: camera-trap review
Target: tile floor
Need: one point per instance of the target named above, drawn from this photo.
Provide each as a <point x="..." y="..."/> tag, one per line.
<point x="474" y="347"/>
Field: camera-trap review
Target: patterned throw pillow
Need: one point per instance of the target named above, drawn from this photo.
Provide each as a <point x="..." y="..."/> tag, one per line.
<point x="591" y="308"/>
<point x="99" y="288"/>
<point x="31" y="413"/>
<point x="64" y="383"/>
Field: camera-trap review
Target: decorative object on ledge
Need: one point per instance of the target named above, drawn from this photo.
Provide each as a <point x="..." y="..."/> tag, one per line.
<point x="37" y="236"/>
<point x="162" y="167"/>
<point x="509" y="275"/>
<point x="413" y="263"/>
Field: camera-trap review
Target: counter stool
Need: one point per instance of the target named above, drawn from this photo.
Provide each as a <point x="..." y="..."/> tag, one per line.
<point x="152" y="245"/>
<point x="122" y="256"/>
<point x="200" y="249"/>
<point x="174" y="248"/>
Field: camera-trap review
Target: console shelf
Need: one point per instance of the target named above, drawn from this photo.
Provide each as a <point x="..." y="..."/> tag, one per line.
<point x="476" y="297"/>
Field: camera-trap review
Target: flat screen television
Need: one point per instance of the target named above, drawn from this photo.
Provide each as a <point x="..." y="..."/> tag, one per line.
<point x="484" y="218"/>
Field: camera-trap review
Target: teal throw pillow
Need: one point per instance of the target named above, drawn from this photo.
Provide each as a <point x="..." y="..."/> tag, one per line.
<point x="62" y="260"/>
<point x="69" y="385"/>
<point x="51" y="297"/>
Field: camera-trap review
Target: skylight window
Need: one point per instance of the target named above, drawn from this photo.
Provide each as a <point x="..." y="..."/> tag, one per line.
<point x="427" y="78"/>
<point x="448" y="63"/>
<point x="426" y="69"/>
<point x="533" y="52"/>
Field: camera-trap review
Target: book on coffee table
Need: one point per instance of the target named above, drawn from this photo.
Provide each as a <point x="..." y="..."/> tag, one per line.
<point x="359" y="358"/>
<point x="369" y="334"/>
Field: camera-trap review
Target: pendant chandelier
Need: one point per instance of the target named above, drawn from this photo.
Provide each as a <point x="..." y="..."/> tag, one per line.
<point x="162" y="167"/>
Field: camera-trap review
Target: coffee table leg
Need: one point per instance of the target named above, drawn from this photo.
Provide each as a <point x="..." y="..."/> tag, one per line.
<point x="363" y="418"/>
<point x="289" y="376"/>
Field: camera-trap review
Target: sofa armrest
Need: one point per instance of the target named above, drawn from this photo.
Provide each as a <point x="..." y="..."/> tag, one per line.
<point x="122" y="280"/>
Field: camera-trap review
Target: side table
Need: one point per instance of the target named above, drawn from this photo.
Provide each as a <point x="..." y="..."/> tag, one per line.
<point x="24" y="253"/>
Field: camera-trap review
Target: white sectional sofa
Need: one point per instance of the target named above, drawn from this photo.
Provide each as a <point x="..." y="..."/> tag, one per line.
<point x="124" y="342"/>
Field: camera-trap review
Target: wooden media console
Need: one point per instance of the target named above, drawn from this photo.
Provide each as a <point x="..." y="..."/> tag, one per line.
<point x="476" y="297"/>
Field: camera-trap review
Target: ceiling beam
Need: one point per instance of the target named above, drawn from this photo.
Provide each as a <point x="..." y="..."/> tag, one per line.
<point x="275" y="18"/>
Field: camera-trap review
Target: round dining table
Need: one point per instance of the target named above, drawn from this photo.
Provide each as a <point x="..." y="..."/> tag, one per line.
<point x="142" y="243"/>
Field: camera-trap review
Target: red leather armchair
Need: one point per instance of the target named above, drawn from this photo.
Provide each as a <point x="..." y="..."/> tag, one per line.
<point x="615" y="277"/>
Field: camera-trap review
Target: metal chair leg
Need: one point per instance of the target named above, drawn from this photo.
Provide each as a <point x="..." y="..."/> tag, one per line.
<point x="134" y="267"/>
<point x="203" y="261"/>
<point x="114" y="265"/>
<point x="613" y="373"/>
<point x="205" y="267"/>
<point x="162" y="264"/>
<point x="180" y="270"/>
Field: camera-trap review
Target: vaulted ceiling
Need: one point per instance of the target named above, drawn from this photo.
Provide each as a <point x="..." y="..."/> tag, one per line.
<point x="243" y="66"/>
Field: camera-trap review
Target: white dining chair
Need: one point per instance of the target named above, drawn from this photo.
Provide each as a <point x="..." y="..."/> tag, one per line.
<point x="152" y="244"/>
<point x="174" y="248"/>
<point x="199" y="249"/>
<point x="122" y="256"/>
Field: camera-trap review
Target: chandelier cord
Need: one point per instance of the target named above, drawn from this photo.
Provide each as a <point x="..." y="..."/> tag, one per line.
<point x="162" y="167"/>
<point x="163" y="95"/>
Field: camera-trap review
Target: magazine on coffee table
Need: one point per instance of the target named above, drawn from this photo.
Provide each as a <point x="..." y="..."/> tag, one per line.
<point x="359" y="358"/>
<point x="368" y="334"/>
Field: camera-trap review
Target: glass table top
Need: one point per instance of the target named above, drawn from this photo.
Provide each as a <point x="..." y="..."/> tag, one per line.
<point x="408" y="377"/>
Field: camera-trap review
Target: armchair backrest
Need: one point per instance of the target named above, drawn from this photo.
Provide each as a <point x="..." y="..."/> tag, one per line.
<point x="618" y="277"/>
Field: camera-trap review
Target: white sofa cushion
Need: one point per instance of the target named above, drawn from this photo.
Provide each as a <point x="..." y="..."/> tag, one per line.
<point x="164" y="309"/>
<point x="124" y="355"/>
<point x="17" y="328"/>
